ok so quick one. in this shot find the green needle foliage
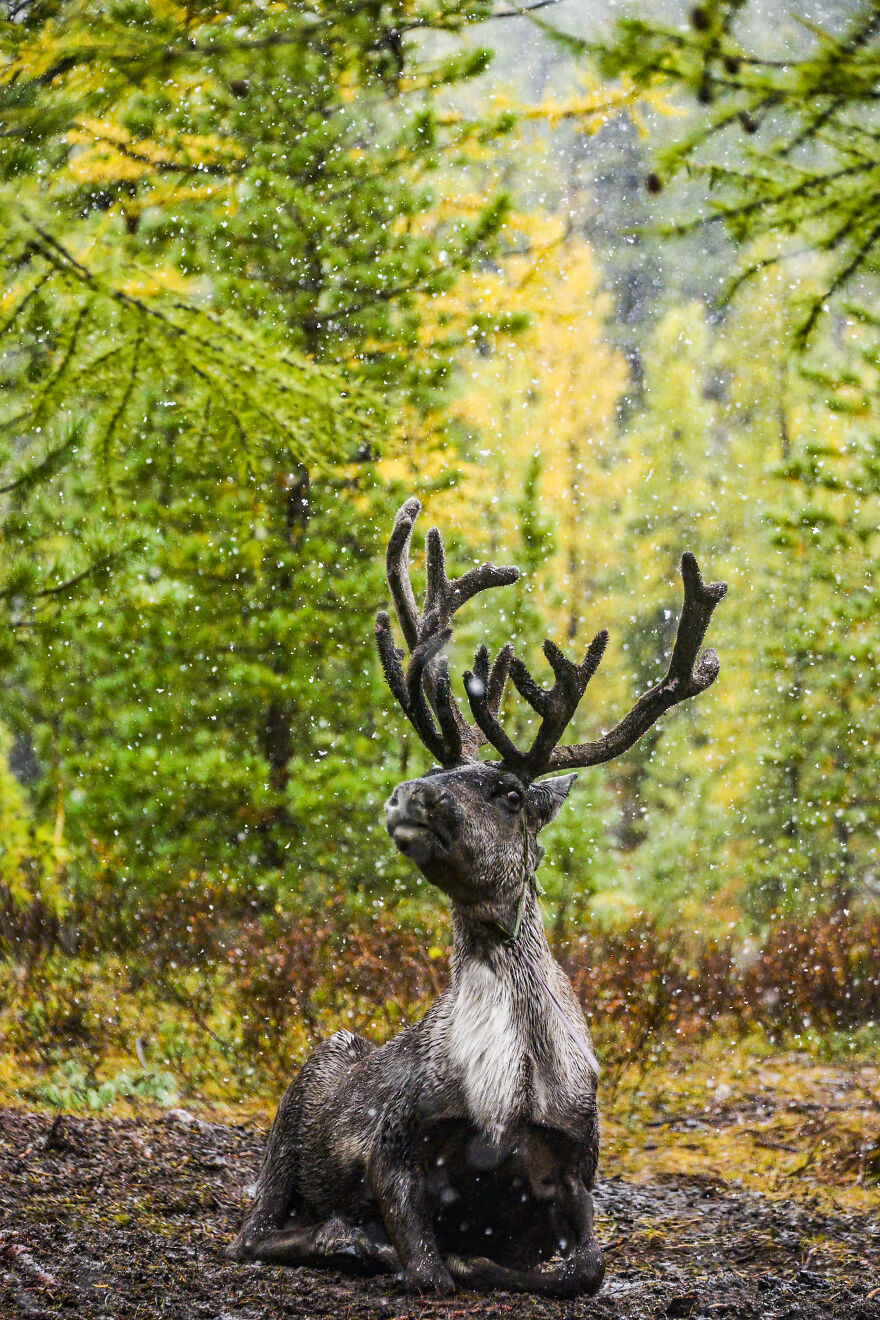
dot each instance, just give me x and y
(816, 821)
(787, 140)
(221, 233)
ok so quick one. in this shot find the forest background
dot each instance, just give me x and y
(598, 294)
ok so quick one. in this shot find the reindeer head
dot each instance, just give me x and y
(469, 825)
(469, 828)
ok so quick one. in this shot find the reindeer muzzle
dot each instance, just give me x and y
(420, 819)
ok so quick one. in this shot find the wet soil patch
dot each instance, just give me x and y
(106, 1218)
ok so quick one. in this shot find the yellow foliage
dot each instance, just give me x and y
(32, 854)
(588, 108)
(106, 152)
(552, 393)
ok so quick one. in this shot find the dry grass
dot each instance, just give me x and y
(753, 1066)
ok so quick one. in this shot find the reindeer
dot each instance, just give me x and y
(463, 1151)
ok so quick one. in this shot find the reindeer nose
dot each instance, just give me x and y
(419, 795)
(422, 818)
(414, 798)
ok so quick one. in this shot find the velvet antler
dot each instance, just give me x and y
(424, 691)
(426, 696)
(685, 677)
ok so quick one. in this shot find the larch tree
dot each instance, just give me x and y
(783, 143)
(812, 830)
(221, 232)
(783, 137)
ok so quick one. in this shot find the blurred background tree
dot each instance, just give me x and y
(782, 145)
(198, 222)
(267, 271)
(786, 135)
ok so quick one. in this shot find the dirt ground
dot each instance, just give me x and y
(117, 1217)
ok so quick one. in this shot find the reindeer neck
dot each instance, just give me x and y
(479, 943)
(483, 934)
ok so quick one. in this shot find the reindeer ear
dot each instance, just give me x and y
(545, 799)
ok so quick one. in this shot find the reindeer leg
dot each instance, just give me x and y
(335, 1245)
(481, 1275)
(400, 1190)
(581, 1272)
(270, 1231)
(275, 1199)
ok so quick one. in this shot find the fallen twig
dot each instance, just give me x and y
(22, 1259)
(25, 1304)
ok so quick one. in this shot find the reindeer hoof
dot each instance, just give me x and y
(240, 1249)
(429, 1279)
(582, 1278)
(593, 1271)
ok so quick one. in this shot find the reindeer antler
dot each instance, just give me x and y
(556, 705)
(685, 677)
(424, 690)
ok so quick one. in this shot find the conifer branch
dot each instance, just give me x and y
(823, 97)
(218, 351)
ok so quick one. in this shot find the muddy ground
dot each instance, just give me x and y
(128, 1218)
